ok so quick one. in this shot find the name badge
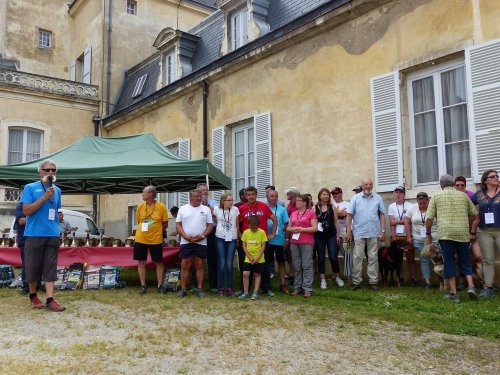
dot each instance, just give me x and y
(423, 232)
(144, 227)
(295, 236)
(400, 229)
(52, 214)
(489, 218)
(320, 227)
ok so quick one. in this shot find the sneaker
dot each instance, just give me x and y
(200, 293)
(471, 292)
(323, 284)
(270, 293)
(487, 292)
(244, 295)
(355, 287)
(229, 292)
(284, 289)
(452, 297)
(238, 293)
(54, 306)
(36, 303)
(214, 290)
(428, 286)
(255, 296)
(143, 289)
(374, 287)
(271, 275)
(182, 293)
(460, 287)
(339, 282)
(221, 292)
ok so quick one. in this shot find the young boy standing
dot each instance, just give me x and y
(254, 243)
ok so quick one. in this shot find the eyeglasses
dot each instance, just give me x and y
(493, 176)
(49, 170)
(459, 185)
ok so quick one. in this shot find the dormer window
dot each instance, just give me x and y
(139, 86)
(239, 28)
(169, 67)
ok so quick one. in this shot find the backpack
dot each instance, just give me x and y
(172, 280)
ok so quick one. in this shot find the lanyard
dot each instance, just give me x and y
(423, 217)
(51, 200)
(400, 214)
(146, 209)
(300, 218)
(228, 215)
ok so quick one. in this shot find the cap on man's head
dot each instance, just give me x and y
(358, 189)
(423, 195)
(293, 189)
(336, 190)
(400, 188)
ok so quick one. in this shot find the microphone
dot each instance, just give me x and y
(50, 178)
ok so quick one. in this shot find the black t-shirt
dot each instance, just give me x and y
(327, 219)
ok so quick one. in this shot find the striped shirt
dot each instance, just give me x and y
(452, 208)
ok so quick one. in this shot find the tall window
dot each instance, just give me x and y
(239, 28)
(169, 67)
(243, 158)
(24, 145)
(132, 7)
(438, 120)
(44, 38)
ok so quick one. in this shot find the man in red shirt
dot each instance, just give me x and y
(262, 210)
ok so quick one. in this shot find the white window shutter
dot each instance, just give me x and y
(386, 121)
(483, 101)
(218, 157)
(87, 65)
(72, 74)
(184, 153)
(263, 153)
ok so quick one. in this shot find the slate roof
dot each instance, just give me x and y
(282, 16)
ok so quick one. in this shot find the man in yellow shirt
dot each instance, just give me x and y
(152, 221)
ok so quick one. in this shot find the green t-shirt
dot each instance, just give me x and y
(254, 241)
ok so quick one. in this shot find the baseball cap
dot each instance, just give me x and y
(358, 189)
(400, 188)
(422, 194)
(336, 189)
(293, 189)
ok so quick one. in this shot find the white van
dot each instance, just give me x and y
(76, 220)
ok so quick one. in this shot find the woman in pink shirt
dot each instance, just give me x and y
(303, 224)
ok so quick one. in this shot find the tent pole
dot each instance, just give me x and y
(206, 179)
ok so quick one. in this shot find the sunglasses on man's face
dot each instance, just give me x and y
(49, 169)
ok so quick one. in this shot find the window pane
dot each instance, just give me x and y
(33, 145)
(250, 139)
(15, 146)
(458, 159)
(239, 144)
(239, 184)
(239, 167)
(251, 163)
(427, 165)
(455, 123)
(425, 129)
(251, 181)
(453, 87)
(423, 95)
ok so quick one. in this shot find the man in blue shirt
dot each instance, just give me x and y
(41, 201)
(366, 214)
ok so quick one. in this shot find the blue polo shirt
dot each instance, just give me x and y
(366, 215)
(38, 223)
(282, 216)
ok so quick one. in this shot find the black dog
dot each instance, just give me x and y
(390, 260)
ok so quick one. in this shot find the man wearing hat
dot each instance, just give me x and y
(358, 189)
(397, 213)
(341, 207)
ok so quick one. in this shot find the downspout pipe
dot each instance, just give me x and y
(205, 119)
(97, 125)
(108, 71)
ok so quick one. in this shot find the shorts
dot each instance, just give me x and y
(275, 250)
(141, 252)
(255, 268)
(188, 250)
(40, 255)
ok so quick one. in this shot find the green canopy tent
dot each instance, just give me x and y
(119, 166)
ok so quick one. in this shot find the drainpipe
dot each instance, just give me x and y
(97, 125)
(205, 119)
(108, 72)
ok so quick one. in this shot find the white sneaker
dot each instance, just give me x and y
(323, 284)
(339, 282)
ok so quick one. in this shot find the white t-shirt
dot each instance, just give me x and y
(418, 224)
(194, 221)
(399, 212)
(226, 223)
(339, 207)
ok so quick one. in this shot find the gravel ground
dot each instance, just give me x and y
(210, 336)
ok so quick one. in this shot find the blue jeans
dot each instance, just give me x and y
(424, 262)
(333, 253)
(449, 248)
(225, 256)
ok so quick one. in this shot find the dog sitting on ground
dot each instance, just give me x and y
(390, 260)
(432, 251)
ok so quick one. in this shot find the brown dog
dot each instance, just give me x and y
(432, 251)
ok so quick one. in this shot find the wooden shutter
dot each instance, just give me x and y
(218, 157)
(72, 74)
(263, 153)
(184, 153)
(483, 101)
(386, 122)
(87, 65)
